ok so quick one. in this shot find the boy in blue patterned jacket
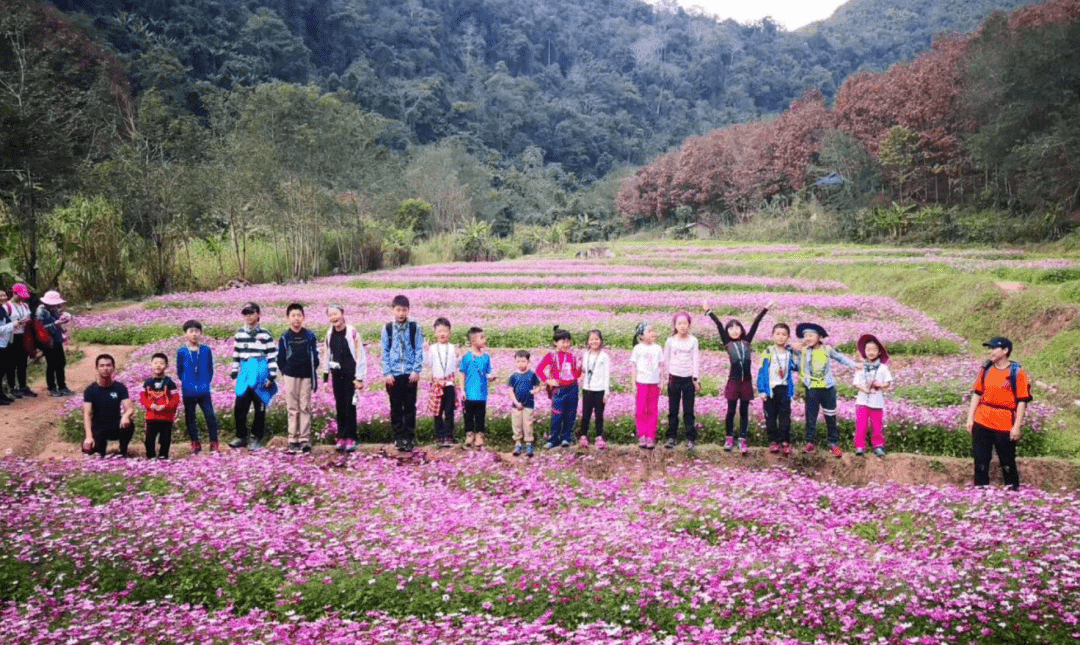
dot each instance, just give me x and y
(402, 361)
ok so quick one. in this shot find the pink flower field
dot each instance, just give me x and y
(565, 549)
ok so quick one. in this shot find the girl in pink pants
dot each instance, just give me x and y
(871, 382)
(645, 376)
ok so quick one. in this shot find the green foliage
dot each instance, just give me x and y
(931, 394)
(415, 215)
(101, 488)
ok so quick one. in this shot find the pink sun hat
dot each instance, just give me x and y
(52, 298)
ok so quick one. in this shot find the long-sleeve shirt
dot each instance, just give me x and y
(559, 365)
(254, 343)
(738, 349)
(160, 391)
(682, 356)
(596, 372)
(353, 345)
(195, 369)
(402, 349)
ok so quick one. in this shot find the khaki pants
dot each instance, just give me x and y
(298, 403)
(522, 423)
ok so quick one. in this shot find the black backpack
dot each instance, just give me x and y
(412, 333)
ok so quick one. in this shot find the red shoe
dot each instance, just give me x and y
(836, 452)
(809, 448)
(774, 447)
(215, 449)
(196, 447)
(786, 450)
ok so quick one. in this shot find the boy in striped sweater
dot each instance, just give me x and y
(255, 368)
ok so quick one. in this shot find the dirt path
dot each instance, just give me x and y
(30, 427)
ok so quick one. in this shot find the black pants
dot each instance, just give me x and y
(344, 391)
(240, 412)
(55, 362)
(592, 402)
(193, 403)
(681, 389)
(983, 443)
(101, 439)
(744, 420)
(823, 399)
(403, 408)
(162, 431)
(16, 367)
(4, 353)
(778, 415)
(474, 414)
(444, 419)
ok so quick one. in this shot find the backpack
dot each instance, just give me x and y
(1014, 367)
(36, 336)
(412, 333)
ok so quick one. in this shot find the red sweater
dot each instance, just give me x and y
(160, 392)
(560, 365)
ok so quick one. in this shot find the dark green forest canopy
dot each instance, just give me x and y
(592, 83)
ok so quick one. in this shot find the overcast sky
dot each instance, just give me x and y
(792, 14)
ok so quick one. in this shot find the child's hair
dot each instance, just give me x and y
(599, 334)
(675, 320)
(162, 357)
(192, 324)
(441, 322)
(783, 326)
(104, 357)
(560, 334)
(474, 331)
(640, 331)
(296, 306)
(522, 353)
(735, 323)
(400, 301)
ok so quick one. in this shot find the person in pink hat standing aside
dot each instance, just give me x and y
(19, 312)
(53, 317)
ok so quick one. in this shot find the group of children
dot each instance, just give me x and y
(258, 362)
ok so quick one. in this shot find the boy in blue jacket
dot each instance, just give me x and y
(776, 387)
(402, 361)
(195, 369)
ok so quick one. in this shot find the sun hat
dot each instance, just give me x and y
(802, 328)
(52, 298)
(870, 338)
(21, 290)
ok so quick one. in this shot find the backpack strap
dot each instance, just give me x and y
(412, 333)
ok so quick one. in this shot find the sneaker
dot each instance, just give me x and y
(5, 401)
(196, 447)
(743, 448)
(237, 443)
(517, 449)
(215, 449)
(17, 393)
(55, 393)
(565, 444)
(809, 448)
(729, 443)
(651, 443)
(859, 452)
(294, 447)
(66, 392)
(642, 442)
(690, 445)
(879, 451)
(836, 452)
(406, 446)
(256, 444)
(600, 443)
(305, 447)
(583, 441)
(350, 445)
(548, 446)
(28, 392)
(785, 449)
(671, 443)
(529, 450)
(774, 447)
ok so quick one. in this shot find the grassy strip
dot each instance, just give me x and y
(562, 284)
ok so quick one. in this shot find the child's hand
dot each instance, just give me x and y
(697, 387)
(771, 303)
(413, 378)
(606, 398)
(553, 382)
(491, 377)
(704, 304)
(389, 380)
(763, 396)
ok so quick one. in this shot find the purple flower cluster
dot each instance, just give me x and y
(565, 550)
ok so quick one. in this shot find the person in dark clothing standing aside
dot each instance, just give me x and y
(107, 410)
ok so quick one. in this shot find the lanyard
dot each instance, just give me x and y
(781, 366)
(589, 368)
(444, 359)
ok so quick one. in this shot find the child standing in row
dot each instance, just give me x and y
(402, 361)
(820, 383)
(442, 361)
(776, 385)
(646, 358)
(523, 384)
(195, 369)
(255, 368)
(160, 398)
(871, 382)
(682, 357)
(560, 371)
(475, 374)
(740, 385)
(346, 364)
(595, 387)
(299, 351)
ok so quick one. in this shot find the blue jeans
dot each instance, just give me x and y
(564, 403)
(206, 403)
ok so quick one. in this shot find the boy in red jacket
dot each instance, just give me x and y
(160, 398)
